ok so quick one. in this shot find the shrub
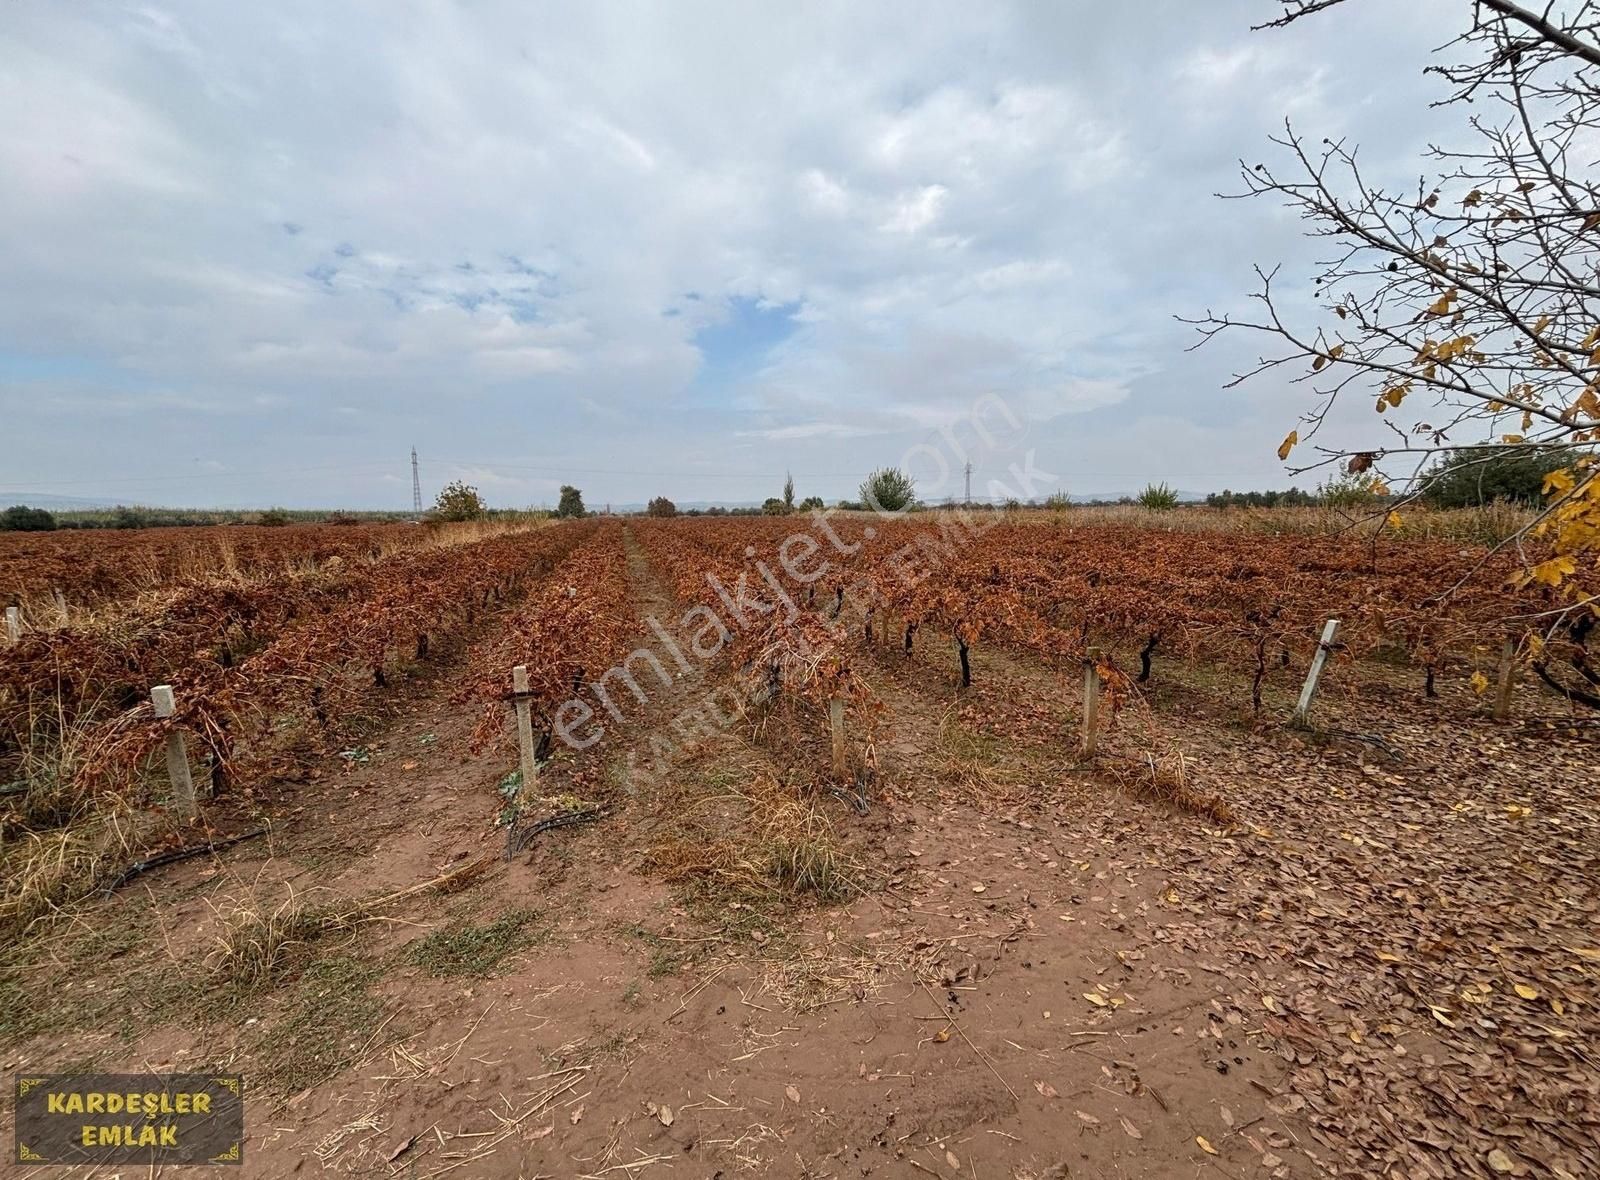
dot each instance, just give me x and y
(889, 490)
(459, 501)
(1059, 501)
(341, 518)
(775, 507)
(1357, 489)
(811, 502)
(22, 519)
(273, 518)
(1158, 496)
(661, 506)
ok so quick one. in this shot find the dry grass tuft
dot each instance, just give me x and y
(1166, 779)
(727, 821)
(802, 853)
(254, 945)
(43, 873)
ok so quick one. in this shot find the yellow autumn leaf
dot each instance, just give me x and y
(1288, 444)
(1552, 572)
(1441, 306)
(1387, 957)
(1270, 1004)
(1095, 998)
(1591, 953)
(1205, 1145)
(1527, 992)
(1559, 480)
(1394, 519)
(1441, 1016)
(1480, 683)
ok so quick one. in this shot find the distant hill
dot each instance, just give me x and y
(56, 503)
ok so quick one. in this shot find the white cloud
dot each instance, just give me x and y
(485, 229)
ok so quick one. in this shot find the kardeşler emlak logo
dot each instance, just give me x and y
(149, 1119)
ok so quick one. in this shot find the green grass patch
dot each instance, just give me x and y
(327, 1025)
(464, 948)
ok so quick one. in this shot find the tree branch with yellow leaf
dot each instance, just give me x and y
(1468, 307)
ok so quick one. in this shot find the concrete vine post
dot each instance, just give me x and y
(1308, 692)
(1506, 680)
(836, 726)
(1091, 701)
(177, 753)
(13, 625)
(524, 707)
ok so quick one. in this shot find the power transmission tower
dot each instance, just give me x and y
(416, 485)
(969, 483)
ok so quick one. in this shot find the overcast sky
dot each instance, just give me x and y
(251, 253)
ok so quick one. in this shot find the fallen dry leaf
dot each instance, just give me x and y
(665, 1115)
(1087, 1117)
(1205, 1145)
(1500, 1162)
(953, 1160)
(576, 1116)
(1527, 992)
(1046, 1089)
(792, 1094)
(1133, 1131)
(1095, 998)
(942, 1035)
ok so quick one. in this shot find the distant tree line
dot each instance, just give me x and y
(1293, 498)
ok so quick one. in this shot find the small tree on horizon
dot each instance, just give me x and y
(788, 492)
(571, 503)
(1158, 496)
(1351, 489)
(459, 501)
(889, 489)
(661, 506)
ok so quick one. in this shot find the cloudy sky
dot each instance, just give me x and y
(252, 253)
